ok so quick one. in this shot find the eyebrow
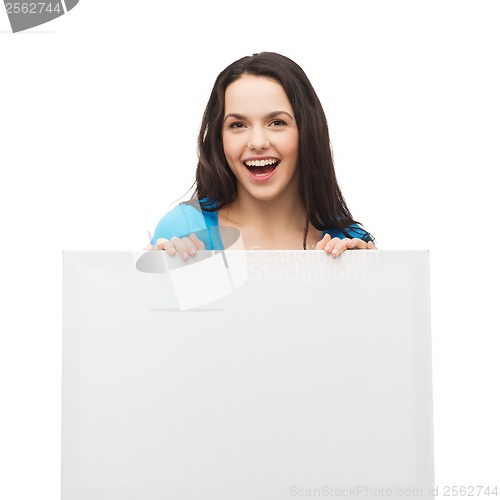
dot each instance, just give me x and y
(273, 114)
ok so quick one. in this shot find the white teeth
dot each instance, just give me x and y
(261, 163)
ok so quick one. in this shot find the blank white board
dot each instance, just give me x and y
(246, 375)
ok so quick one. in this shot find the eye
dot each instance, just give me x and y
(278, 123)
(236, 125)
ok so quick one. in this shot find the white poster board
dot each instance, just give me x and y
(284, 374)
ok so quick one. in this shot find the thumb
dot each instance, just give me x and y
(323, 241)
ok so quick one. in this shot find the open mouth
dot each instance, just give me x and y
(261, 168)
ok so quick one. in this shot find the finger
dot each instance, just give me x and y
(339, 246)
(331, 244)
(160, 243)
(323, 241)
(371, 245)
(190, 244)
(197, 242)
(181, 247)
(164, 244)
(356, 243)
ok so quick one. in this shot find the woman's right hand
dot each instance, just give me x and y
(183, 246)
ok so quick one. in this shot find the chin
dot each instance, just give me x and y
(270, 196)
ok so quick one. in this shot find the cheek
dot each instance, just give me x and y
(233, 148)
(290, 145)
(230, 153)
(228, 146)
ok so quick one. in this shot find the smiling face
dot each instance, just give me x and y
(260, 137)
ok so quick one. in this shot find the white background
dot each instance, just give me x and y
(99, 113)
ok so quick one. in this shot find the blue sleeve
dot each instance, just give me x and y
(354, 231)
(357, 232)
(173, 223)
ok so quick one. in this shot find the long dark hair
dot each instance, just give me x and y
(319, 190)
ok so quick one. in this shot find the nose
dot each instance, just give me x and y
(258, 139)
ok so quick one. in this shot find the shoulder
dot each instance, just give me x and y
(180, 221)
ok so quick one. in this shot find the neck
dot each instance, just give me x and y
(284, 214)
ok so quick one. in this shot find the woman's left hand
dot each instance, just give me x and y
(336, 246)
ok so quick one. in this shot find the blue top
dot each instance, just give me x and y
(185, 219)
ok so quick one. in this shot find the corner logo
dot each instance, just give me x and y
(206, 277)
(26, 15)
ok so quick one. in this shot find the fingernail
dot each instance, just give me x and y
(192, 251)
(328, 248)
(185, 255)
(335, 252)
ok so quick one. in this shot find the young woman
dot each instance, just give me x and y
(265, 168)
